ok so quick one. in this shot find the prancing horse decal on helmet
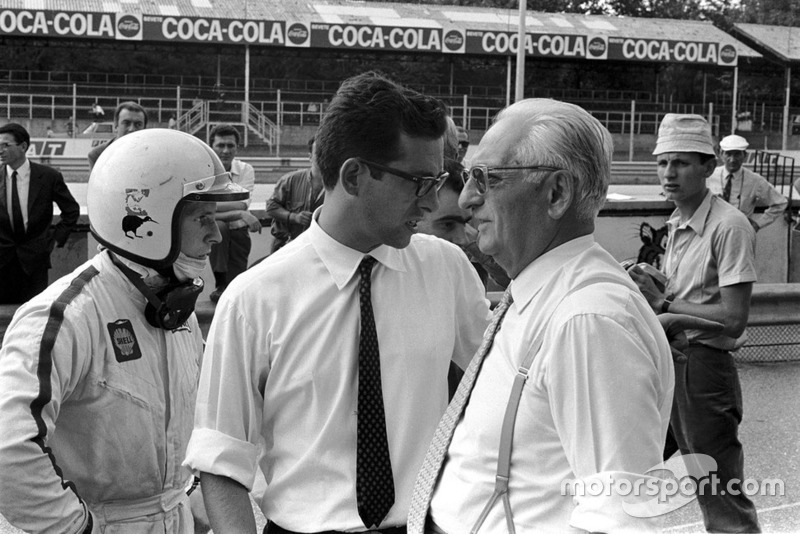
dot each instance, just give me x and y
(137, 215)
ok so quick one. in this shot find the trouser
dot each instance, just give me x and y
(706, 413)
(169, 512)
(272, 528)
(231, 253)
(17, 286)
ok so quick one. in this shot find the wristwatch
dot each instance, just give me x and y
(667, 303)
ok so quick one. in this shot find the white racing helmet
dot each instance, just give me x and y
(139, 186)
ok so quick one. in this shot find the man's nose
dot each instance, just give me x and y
(469, 197)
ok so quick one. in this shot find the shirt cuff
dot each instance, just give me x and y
(211, 451)
(604, 504)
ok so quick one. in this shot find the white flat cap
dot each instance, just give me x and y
(734, 142)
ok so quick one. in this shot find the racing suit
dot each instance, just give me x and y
(96, 408)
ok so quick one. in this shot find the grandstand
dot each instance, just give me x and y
(271, 69)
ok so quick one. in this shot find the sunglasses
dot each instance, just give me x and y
(480, 174)
(424, 183)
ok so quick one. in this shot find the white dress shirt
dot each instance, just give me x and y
(23, 185)
(281, 365)
(597, 400)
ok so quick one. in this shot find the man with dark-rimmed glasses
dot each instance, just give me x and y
(331, 356)
(573, 339)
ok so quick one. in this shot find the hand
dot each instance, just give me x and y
(648, 287)
(674, 325)
(60, 237)
(304, 218)
(253, 224)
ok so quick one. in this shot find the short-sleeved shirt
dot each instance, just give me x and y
(282, 365)
(293, 192)
(714, 248)
(243, 174)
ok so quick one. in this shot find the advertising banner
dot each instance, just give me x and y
(366, 37)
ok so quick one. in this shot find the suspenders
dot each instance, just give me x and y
(506, 437)
(510, 417)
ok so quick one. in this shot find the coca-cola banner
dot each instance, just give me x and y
(367, 37)
(600, 47)
(211, 30)
(448, 40)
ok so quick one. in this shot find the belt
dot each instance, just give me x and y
(124, 510)
(272, 528)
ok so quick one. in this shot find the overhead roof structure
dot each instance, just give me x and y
(780, 43)
(777, 43)
(356, 25)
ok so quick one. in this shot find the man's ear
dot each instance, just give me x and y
(560, 192)
(709, 166)
(351, 173)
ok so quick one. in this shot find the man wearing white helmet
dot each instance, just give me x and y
(99, 372)
(743, 188)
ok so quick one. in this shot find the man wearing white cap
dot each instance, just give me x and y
(710, 268)
(743, 188)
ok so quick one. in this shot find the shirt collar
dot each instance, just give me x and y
(236, 167)
(23, 172)
(540, 271)
(697, 222)
(342, 261)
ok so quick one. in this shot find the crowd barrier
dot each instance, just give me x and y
(268, 169)
(773, 324)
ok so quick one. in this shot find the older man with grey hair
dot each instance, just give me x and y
(572, 386)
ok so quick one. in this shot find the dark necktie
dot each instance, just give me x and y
(16, 210)
(429, 473)
(374, 481)
(726, 191)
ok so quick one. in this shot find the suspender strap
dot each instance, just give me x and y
(509, 420)
(506, 438)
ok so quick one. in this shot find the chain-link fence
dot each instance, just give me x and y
(778, 343)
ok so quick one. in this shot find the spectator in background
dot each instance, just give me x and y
(743, 188)
(463, 144)
(71, 125)
(49, 133)
(597, 400)
(451, 222)
(172, 123)
(336, 349)
(229, 256)
(294, 199)
(710, 268)
(99, 372)
(27, 193)
(97, 112)
(129, 117)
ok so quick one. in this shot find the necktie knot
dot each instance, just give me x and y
(365, 267)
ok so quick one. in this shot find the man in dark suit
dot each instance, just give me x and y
(27, 193)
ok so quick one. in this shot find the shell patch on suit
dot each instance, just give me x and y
(123, 339)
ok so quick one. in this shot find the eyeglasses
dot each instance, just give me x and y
(4, 146)
(480, 174)
(424, 183)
